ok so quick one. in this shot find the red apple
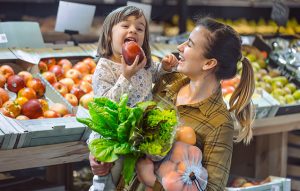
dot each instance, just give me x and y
(4, 95)
(22, 117)
(50, 77)
(37, 85)
(28, 93)
(15, 83)
(72, 99)
(93, 70)
(57, 70)
(68, 82)
(77, 92)
(61, 88)
(84, 100)
(50, 62)
(13, 108)
(130, 50)
(59, 108)
(7, 71)
(43, 67)
(75, 75)
(51, 114)
(2, 80)
(88, 78)
(65, 64)
(25, 75)
(90, 62)
(32, 109)
(82, 67)
(86, 86)
(5, 112)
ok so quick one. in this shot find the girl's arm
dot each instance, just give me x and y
(165, 66)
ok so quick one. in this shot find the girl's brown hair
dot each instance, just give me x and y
(116, 16)
(224, 44)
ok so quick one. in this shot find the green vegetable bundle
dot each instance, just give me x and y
(148, 128)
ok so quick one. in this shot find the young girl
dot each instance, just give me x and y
(113, 77)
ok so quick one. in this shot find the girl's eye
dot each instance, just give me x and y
(125, 26)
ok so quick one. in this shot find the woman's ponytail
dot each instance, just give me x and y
(240, 102)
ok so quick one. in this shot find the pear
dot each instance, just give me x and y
(296, 94)
(289, 99)
(291, 86)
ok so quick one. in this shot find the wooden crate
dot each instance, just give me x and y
(293, 167)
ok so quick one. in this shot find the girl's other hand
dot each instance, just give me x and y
(168, 62)
(99, 168)
(129, 71)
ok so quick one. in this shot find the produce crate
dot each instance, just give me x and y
(276, 184)
(8, 133)
(265, 105)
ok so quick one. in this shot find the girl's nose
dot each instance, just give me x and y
(132, 29)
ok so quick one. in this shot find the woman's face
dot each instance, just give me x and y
(131, 29)
(191, 52)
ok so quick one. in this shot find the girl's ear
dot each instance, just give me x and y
(210, 64)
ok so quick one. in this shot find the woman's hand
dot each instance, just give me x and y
(129, 70)
(168, 62)
(145, 172)
(99, 168)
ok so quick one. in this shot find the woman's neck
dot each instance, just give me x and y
(198, 89)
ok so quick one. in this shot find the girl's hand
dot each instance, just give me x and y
(145, 172)
(129, 71)
(99, 168)
(168, 62)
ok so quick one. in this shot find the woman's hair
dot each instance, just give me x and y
(116, 16)
(224, 45)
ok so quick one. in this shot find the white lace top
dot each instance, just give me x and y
(109, 82)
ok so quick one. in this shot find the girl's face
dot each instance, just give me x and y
(130, 29)
(191, 53)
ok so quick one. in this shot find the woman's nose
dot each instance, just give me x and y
(180, 47)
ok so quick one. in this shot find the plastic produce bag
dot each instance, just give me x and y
(182, 170)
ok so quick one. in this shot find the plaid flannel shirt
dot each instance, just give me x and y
(213, 125)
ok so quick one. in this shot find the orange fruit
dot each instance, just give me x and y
(186, 134)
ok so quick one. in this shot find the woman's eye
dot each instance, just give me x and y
(140, 29)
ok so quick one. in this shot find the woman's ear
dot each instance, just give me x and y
(210, 64)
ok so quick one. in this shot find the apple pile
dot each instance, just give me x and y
(73, 82)
(30, 102)
(243, 182)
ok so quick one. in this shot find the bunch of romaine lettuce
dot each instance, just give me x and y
(132, 132)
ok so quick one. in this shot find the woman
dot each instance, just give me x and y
(211, 54)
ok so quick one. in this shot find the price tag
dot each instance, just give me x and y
(3, 38)
(280, 12)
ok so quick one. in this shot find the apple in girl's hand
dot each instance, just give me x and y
(15, 83)
(130, 50)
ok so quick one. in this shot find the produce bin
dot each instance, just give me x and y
(276, 184)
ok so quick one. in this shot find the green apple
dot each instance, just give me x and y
(296, 94)
(291, 86)
(289, 99)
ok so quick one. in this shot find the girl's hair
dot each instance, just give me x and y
(116, 16)
(224, 44)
